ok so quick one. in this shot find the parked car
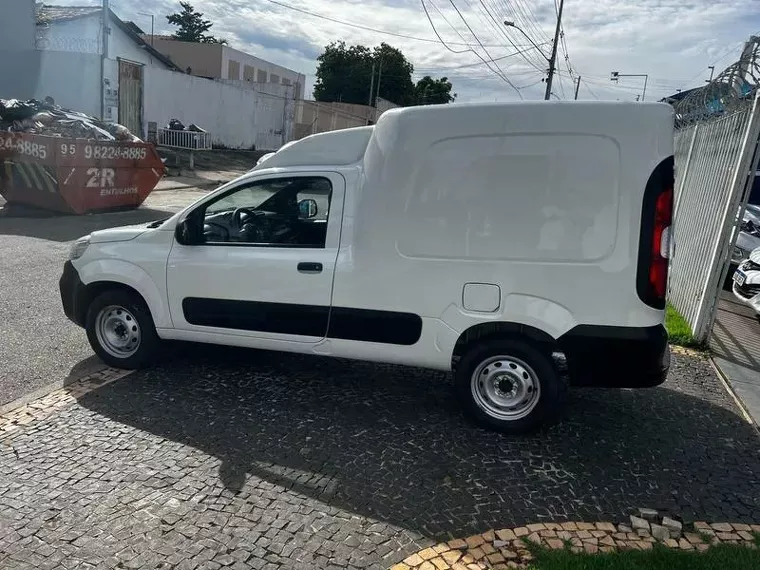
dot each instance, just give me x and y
(479, 239)
(746, 281)
(749, 235)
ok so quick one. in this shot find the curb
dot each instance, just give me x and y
(509, 548)
(729, 389)
(40, 404)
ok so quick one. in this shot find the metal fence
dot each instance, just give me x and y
(716, 138)
(191, 140)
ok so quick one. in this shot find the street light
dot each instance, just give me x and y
(551, 59)
(615, 75)
(151, 25)
(511, 24)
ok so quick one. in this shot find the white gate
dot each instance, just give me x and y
(718, 128)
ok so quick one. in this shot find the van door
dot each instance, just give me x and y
(264, 259)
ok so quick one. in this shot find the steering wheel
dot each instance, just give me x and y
(237, 215)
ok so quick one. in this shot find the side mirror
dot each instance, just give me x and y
(187, 232)
(307, 209)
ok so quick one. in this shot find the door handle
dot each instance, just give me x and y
(309, 267)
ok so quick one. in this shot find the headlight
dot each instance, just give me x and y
(79, 247)
(739, 254)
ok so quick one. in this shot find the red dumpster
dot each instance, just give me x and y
(76, 175)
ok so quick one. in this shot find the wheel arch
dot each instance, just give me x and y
(502, 329)
(118, 274)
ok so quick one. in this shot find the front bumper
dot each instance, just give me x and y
(72, 294)
(749, 292)
(616, 357)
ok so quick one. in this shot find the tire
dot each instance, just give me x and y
(121, 331)
(510, 385)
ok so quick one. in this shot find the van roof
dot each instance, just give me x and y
(341, 147)
(348, 146)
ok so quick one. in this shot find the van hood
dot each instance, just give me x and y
(124, 233)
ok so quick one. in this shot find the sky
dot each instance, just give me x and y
(673, 41)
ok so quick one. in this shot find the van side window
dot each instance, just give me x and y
(281, 212)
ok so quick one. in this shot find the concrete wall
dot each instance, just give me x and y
(235, 116)
(72, 79)
(19, 60)
(315, 117)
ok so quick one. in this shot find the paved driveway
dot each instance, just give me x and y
(262, 460)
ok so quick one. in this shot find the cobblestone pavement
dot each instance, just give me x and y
(261, 460)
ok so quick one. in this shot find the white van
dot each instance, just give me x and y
(480, 239)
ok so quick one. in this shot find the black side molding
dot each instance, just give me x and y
(387, 327)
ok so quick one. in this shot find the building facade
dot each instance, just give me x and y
(219, 61)
(96, 63)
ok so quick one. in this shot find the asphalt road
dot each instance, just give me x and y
(38, 345)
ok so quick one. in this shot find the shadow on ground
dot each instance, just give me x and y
(46, 225)
(390, 442)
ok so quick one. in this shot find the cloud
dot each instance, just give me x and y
(673, 41)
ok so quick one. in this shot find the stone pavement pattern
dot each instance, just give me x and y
(510, 547)
(243, 459)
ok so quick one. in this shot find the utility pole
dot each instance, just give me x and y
(553, 57)
(712, 70)
(152, 27)
(371, 90)
(371, 85)
(379, 77)
(104, 19)
(577, 87)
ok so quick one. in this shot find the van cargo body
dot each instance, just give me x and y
(473, 238)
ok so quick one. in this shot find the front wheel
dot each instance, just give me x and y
(121, 331)
(510, 386)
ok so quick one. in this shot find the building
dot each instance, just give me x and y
(71, 69)
(94, 62)
(218, 61)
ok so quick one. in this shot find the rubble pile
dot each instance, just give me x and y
(46, 118)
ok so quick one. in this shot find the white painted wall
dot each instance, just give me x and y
(235, 116)
(72, 79)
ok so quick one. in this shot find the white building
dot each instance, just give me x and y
(63, 52)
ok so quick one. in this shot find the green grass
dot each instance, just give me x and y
(679, 331)
(721, 557)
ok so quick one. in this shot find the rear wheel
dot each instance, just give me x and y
(510, 385)
(121, 331)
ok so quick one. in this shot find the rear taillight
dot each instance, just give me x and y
(656, 235)
(658, 263)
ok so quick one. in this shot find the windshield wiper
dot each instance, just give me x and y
(156, 223)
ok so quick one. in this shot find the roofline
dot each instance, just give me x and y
(123, 27)
(142, 43)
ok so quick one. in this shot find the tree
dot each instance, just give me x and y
(192, 26)
(344, 73)
(429, 91)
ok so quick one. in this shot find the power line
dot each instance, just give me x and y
(501, 75)
(367, 28)
(484, 49)
(589, 90)
(531, 61)
(435, 69)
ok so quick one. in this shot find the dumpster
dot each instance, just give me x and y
(76, 175)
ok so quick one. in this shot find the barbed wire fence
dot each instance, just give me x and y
(717, 129)
(730, 91)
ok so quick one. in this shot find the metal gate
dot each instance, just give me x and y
(717, 133)
(130, 96)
